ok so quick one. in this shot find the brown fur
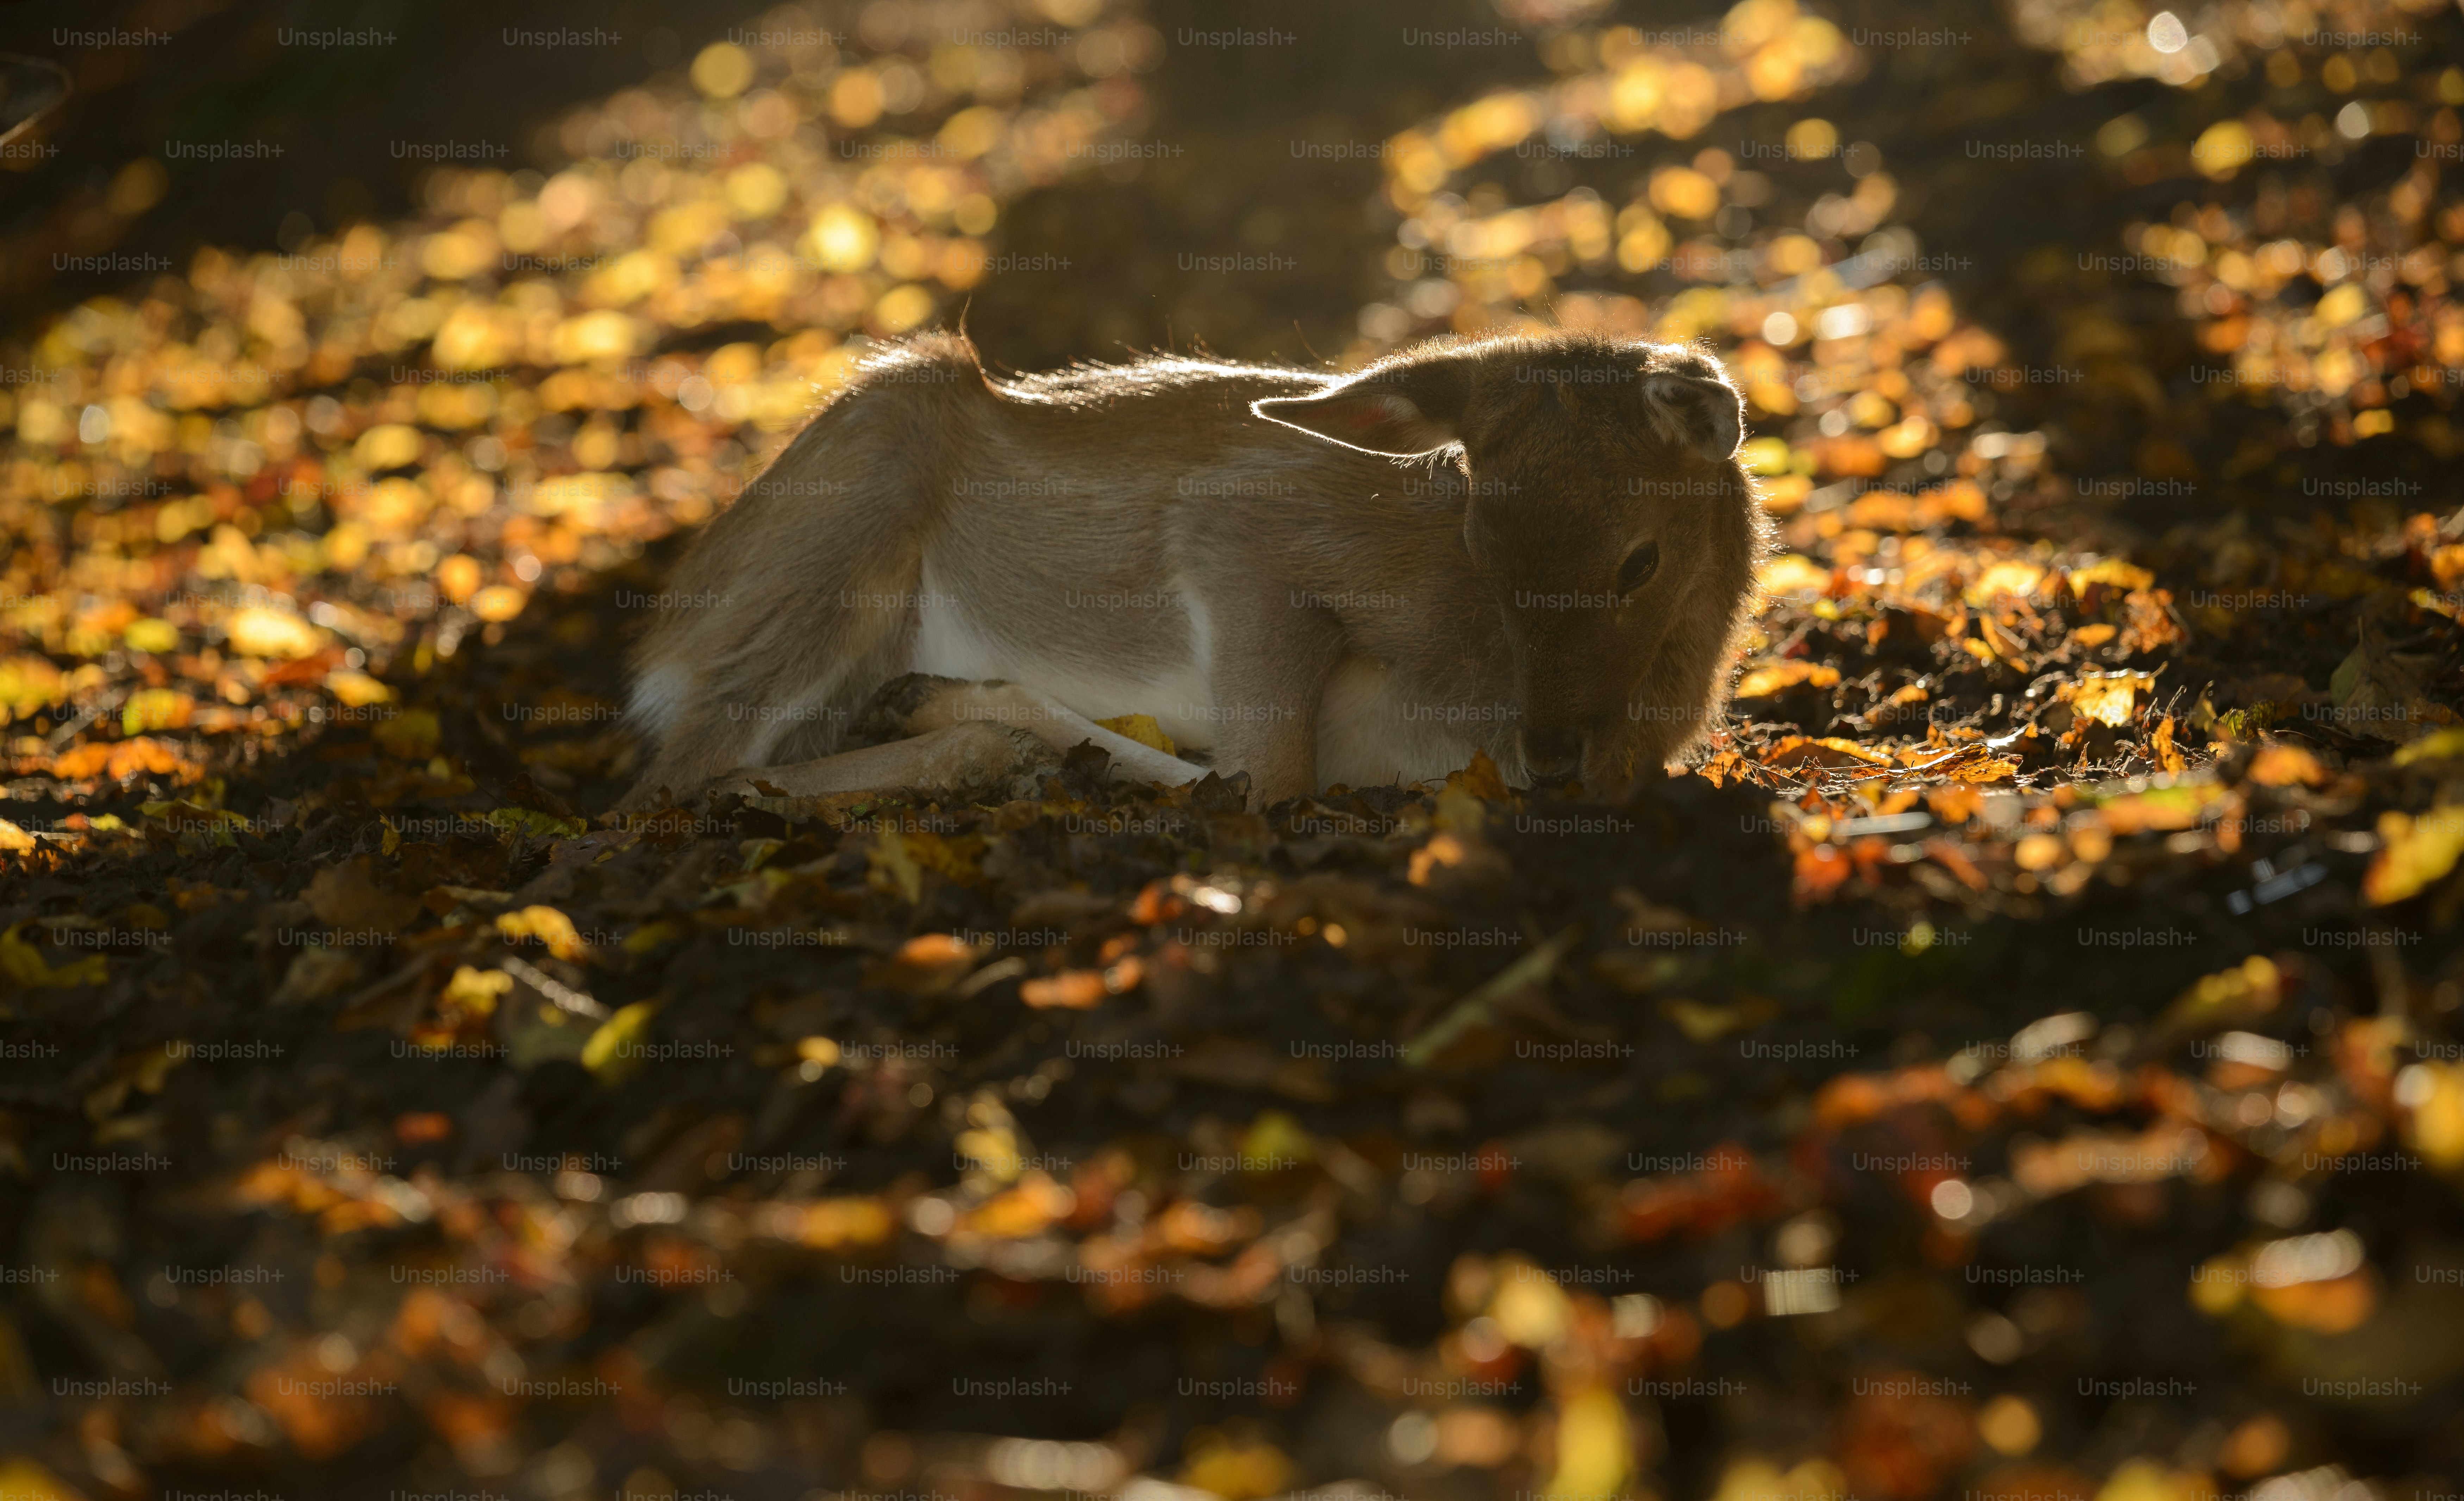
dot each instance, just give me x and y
(1317, 569)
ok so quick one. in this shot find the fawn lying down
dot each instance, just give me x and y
(1541, 547)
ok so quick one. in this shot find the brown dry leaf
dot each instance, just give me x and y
(1481, 778)
(345, 895)
(1981, 765)
(1954, 805)
(2148, 622)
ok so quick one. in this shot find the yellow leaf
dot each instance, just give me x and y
(2145, 1480)
(151, 709)
(156, 636)
(2124, 576)
(476, 991)
(23, 962)
(1275, 1136)
(1792, 574)
(614, 1050)
(2008, 577)
(14, 840)
(1237, 1469)
(2439, 746)
(1143, 729)
(2435, 1093)
(357, 689)
(2221, 150)
(261, 631)
(29, 682)
(1761, 682)
(2415, 852)
(1756, 1479)
(390, 445)
(498, 601)
(23, 1480)
(1766, 457)
(549, 926)
(2108, 697)
(2229, 998)
(1595, 1445)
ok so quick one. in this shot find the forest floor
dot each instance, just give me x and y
(2023, 1059)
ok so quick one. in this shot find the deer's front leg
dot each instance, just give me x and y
(1271, 655)
(919, 705)
(954, 759)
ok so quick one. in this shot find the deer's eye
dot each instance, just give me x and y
(1637, 568)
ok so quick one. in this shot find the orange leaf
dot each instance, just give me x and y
(1072, 989)
(1480, 778)
(2278, 764)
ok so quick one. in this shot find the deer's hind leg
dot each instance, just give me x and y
(782, 623)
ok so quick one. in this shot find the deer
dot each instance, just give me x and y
(1537, 546)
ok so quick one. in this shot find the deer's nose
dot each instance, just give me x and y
(1551, 755)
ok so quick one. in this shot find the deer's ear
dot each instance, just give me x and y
(1702, 416)
(1399, 412)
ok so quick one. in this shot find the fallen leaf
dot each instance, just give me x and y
(2414, 853)
(548, 926)
(2160, 748)
(1480, 778)
(23, 962)
(614, 1050)
(925, 965)
(346, 895)
(1071, 991)
(264, 631)
(1761, 682)
(1143, 729)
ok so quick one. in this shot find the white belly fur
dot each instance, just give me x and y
(948, 645)
(1363, 738)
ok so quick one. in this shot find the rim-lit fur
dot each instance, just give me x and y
(1316, 578)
